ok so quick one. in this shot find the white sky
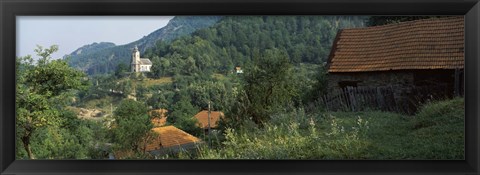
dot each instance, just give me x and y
(72, 32)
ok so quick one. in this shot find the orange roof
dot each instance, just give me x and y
(170, 136)
(436, 43)
(202, 118)
(157, 122)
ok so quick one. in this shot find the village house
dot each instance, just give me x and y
(404, 56)
(170, 139)
(238, 70)
(204, 122)
(140, 64)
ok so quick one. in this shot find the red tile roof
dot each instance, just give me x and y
(436, 43)
(202, 118)
(168, 136)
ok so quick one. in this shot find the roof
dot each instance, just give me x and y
(169, 136)
(202, 118)
(145, 61)
(435, 43)
(159, 121)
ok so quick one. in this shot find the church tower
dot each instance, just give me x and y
(135, 60)
(140, 64)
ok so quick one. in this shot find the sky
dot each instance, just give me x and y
(72, 32)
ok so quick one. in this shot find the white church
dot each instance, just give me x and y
(140, 64)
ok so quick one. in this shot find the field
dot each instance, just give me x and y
(436, 132)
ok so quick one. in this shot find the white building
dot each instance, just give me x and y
(140, 64)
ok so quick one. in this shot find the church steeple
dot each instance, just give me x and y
(139, 64)
(135, 59)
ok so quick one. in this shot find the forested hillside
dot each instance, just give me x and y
(233, 40)
(99, 59)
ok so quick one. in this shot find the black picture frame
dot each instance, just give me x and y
(11, 8)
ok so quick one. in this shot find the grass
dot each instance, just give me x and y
(435, 132)
(148, 82)
(219, 77)
(102, 103)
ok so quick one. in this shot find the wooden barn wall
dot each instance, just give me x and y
(371, 78)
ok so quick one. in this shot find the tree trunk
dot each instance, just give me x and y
(26, 145)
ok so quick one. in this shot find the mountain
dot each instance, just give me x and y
(90, 48)
(104, 57)
(238, 40)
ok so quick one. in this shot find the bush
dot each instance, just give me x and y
(436, 132)
(439, 130)
(287, 140)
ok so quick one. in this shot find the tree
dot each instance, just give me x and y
(182, 113)
(43, 89)
(132, 125)
(267, 84)
(382, 20)
(156, 71)
(122, 68)
(72, 139)
(319, 86)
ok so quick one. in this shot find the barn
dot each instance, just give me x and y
(412, 59)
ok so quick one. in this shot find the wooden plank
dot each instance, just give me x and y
(352, 99)
(457, 83)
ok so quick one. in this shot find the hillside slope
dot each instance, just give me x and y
(104, 57)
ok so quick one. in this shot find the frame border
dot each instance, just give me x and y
(9, 9)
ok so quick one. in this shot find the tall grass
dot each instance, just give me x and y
(435, 132)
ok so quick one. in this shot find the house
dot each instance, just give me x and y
(203, 119)
(405, 56)
(238, 70)
(164, 140)
(140, 64)
(159, 120)
(170, 139)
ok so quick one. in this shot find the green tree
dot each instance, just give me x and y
(122, 68)
(382, 20)
(131, 127)
(267, 84)
(72, 139)
(43, 89)
(157, 70)
(318, 86)
(182, 113)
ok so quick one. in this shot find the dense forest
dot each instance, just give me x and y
(271, 109)
(233, 41)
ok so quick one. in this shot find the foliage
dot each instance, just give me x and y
(436, 132)
(288, 141)
(102, 58)
(131, 126)
(306, 39)
(73, 139)
(382, 20)
(439, 129)
(43, 89)
(181, 114)
(268, 84)
(121, 70)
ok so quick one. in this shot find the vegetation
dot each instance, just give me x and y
(271, 109)
(43, 89)
(131, 126)
(104, 58)
(382, 20)
(436, 132)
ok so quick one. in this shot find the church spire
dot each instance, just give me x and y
(135, 49)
